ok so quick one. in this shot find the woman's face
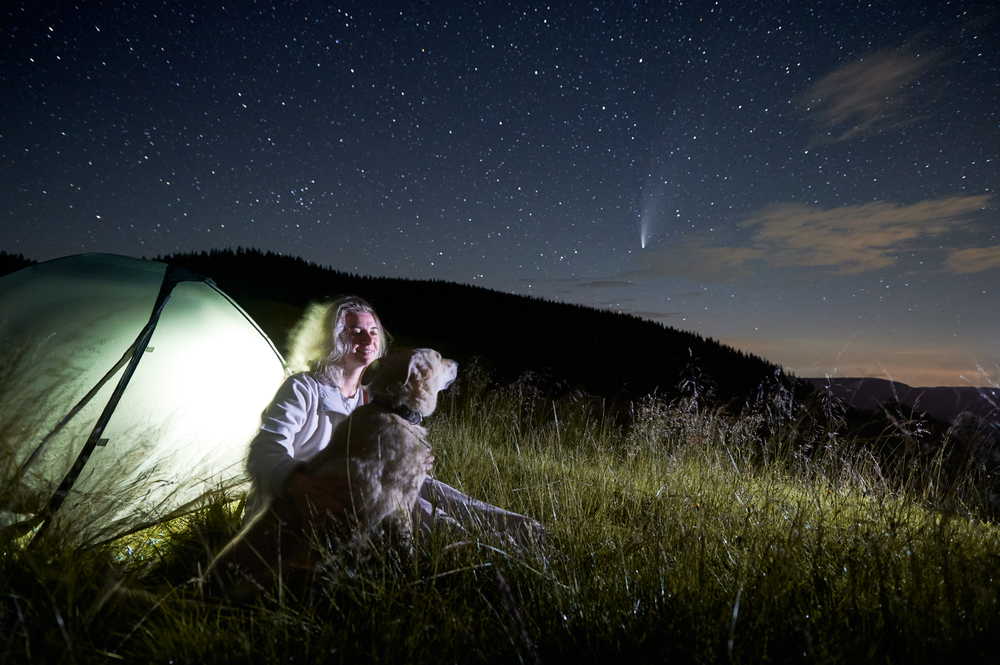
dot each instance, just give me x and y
(361, 336)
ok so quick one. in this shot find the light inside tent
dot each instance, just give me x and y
(184, 421)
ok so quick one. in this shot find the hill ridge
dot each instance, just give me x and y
(945, 403)
(567, 345)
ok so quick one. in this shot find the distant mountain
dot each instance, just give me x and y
(942, 403)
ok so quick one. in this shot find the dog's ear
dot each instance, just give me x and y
(385, 375)
(421, 365)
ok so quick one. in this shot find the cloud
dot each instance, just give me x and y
(577, 282)
(843, 240)
(603, 284)
(977, 259)
(878, 92)
(853, 239)
(927, 364)
(697, 259)
(654, 315)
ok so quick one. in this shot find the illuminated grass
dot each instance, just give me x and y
(672, 533)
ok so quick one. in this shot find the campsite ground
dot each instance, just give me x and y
(675, 532)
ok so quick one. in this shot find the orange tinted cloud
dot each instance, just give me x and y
(853, 239)
(880, 358)
(878, 92)
(977, 259)
(844, 240)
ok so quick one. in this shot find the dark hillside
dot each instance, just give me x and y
(568, 346)
(943, 403)
(12, 262)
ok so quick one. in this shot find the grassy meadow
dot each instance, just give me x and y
(674, 532)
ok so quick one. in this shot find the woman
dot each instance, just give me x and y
(334, 343)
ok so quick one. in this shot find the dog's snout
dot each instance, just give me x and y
(452, 373)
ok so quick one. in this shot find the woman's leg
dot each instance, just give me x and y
(469, 512)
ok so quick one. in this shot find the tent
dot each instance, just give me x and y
(129, 390)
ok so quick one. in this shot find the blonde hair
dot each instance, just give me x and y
(317, 342)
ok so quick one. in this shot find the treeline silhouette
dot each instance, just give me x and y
(564, 346)
(12, 262)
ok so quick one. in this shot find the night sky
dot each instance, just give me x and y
(813, 182)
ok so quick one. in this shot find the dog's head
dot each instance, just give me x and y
(411, 378)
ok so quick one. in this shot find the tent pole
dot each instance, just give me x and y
(170, 279)
(76, 409)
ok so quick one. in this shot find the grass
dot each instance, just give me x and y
(674, 533)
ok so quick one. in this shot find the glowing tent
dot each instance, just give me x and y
(129, 390)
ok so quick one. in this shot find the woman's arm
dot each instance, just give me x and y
(272, 456)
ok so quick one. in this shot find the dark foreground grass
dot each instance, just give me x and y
(670, 538)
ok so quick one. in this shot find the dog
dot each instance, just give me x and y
(382, 451)
(376, 462)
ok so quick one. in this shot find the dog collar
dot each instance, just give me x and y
(401, 411)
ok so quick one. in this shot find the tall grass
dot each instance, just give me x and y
(674, 532)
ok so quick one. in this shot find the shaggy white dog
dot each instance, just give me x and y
(382, 451)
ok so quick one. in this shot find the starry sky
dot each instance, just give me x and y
(812, 182)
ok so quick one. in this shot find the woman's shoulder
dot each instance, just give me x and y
(302, 382)
(312, 382)
(308, 392)
(310, 379)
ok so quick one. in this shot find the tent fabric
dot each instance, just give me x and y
(70, 331)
